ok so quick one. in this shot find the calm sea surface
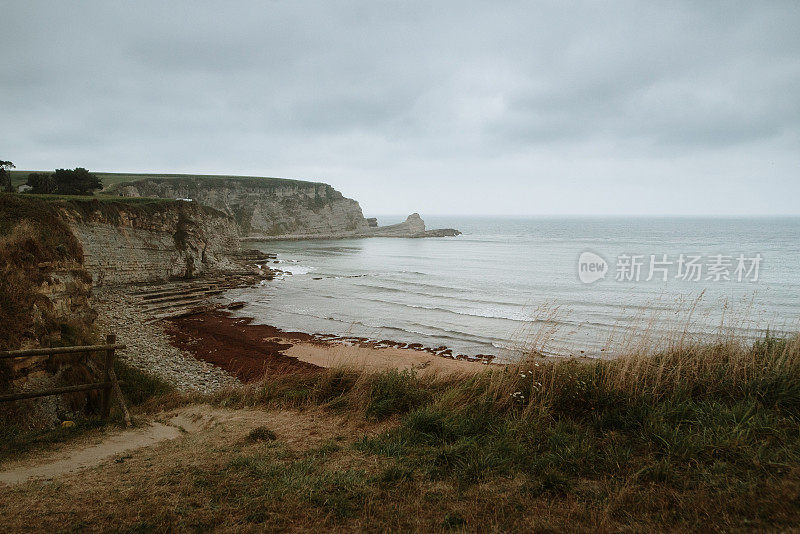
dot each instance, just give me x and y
(511, 285)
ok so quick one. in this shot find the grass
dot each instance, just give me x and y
(261, 433)
(100, 197)
(703, 437)
(19, 177)
(141, 388)
(700, 438)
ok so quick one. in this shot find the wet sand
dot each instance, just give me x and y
(371, 358)
(251, 351)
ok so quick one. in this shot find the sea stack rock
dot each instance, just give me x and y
(415, 224)
(412, 226)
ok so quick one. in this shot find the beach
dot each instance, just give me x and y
(252, 352)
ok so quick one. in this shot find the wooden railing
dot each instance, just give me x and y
(109, 385)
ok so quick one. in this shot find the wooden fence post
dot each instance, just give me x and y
(109, 386)
(111, 339)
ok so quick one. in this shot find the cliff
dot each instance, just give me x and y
(149, 241)
(261, 206)
(273, 208)
(52, 251)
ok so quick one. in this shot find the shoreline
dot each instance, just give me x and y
(438, 232)
(252, 351)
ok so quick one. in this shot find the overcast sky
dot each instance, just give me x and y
(440, 107)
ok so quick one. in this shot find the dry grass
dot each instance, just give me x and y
(697, 437)
(32, 239)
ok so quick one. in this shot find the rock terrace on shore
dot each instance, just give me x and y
(148, 348)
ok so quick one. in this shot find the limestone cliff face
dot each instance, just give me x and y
(262, 206)
(125, 244)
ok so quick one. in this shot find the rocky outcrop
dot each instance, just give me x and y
(440, 232)
(412, 226)
(125, 244)
(261, 206)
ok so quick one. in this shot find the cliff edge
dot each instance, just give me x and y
(261, 206)
(275, 208)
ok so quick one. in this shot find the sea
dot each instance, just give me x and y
(507, 287)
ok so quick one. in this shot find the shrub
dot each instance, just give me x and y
(261, 433)
(42, 183)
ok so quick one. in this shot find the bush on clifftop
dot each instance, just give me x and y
(77, 181)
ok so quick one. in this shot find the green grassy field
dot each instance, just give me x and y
(99, 197)
(19, 177)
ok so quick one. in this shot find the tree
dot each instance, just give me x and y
(76, 182)
(5, 176)
(42, 183)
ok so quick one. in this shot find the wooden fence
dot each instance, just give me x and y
(109, 385)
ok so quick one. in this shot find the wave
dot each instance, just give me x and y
(429, 286)
(426, 330)
(406, 291)
(520, 317)
(295, 269)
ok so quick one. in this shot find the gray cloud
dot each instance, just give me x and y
(417, 105)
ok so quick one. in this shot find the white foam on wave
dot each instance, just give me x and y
(296, 269)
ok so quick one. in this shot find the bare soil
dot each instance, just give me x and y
(82, 454)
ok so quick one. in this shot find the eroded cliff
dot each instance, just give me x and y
(261, 206)
(126, 243)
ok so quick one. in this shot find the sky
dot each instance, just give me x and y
(440, 107)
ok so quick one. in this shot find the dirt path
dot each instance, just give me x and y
(81, 455)
(113, 487)
(202, 423)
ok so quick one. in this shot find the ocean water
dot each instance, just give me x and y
(508, 286)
